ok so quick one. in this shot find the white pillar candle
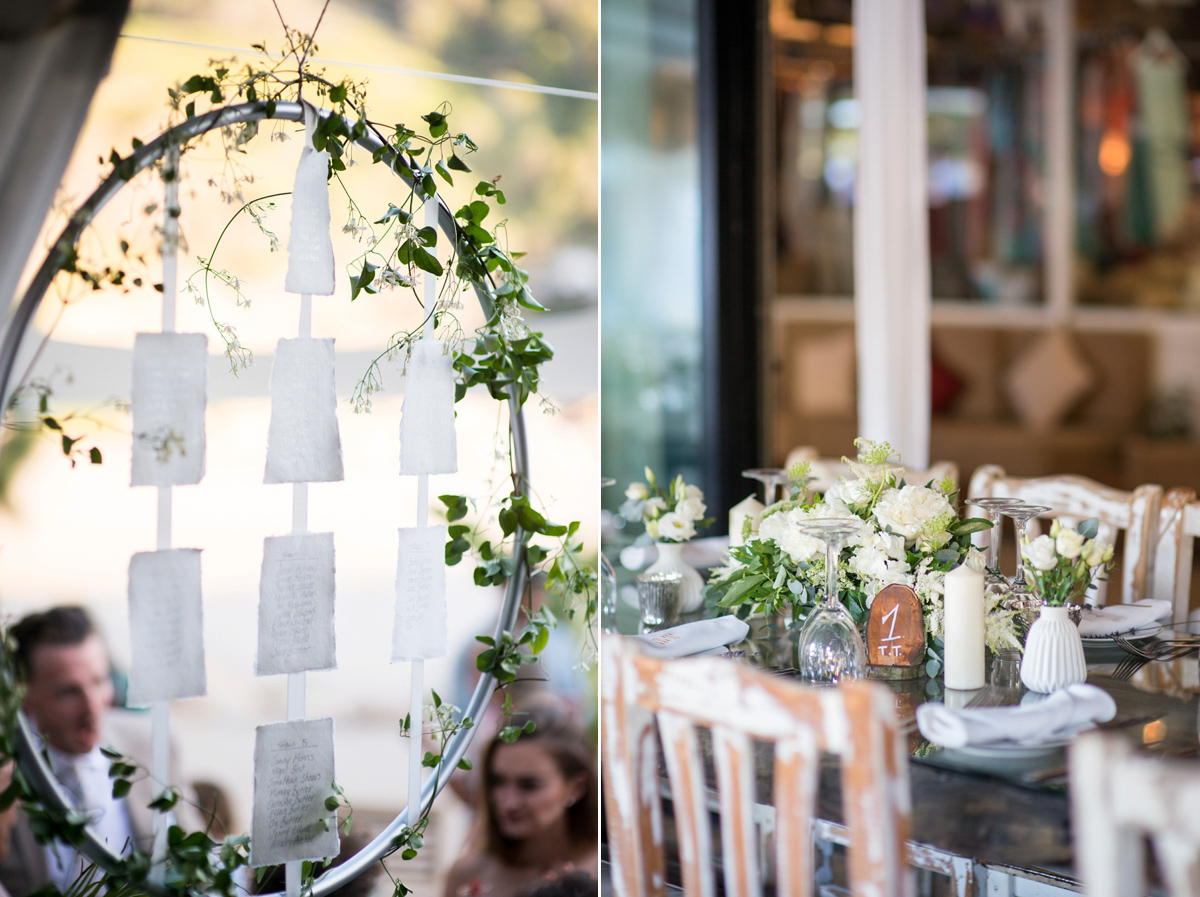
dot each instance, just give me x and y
(748, 508)
(964, 628)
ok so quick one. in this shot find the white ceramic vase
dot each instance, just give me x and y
(670, 558)
(1053, 652)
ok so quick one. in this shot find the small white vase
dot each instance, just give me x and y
(670, 558)
(1053, 652)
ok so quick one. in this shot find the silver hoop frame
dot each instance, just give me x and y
(29, 756)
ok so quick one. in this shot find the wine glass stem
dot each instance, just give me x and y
(993, 555)
(1019, 524)
(830, 574)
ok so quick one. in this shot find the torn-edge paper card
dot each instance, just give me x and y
(427, 441)
(167, 397)
(310, 248)
(420, 628)
(303, 443)
(166, 626)
(295, 604)
(293, 777)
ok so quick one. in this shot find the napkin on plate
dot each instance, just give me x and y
(1060, 715)
(699, 637)
(1117, 619)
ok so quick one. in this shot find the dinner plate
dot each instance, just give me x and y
(1141, 634)
(1007, 750)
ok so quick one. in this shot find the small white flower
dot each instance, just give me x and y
(975, 559)
(851, 492)
(1040, 552)
(673, 528)
(1094, 552)
(652, 529)
(653, 507)
(1069, 543)
(695, 492)
(637, 492)
(691, 509)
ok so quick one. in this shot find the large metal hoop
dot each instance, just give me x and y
(29, 756)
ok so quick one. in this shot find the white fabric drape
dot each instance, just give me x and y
(891, 227)
(52, 56)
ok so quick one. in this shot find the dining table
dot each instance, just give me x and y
(991, 821)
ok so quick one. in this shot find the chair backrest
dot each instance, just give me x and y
(1073, 499)
(741, 706)
(1118, 799)
(827, 471)
(1178, 526)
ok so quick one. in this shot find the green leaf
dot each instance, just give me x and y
(166, 800)
(363, 281)
(331, 804)
(443, 172)
(426, 262)
(94, 455)
(540, 640)
(466, 764)
(437, 123)
(51, 423)
(456, 163)
(1089, 528)
(121, 788)
(970, 525)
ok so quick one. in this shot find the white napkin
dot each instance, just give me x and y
(1062, 714)
(700, 637)
(1116, 619)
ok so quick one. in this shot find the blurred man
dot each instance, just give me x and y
(65, 668)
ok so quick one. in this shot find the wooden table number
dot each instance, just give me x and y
(895, 633)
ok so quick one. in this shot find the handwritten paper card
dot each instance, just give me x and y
(427, 441)
(166, 626)
(420, 628)
(310, 249)
(295, 604)
(167, 397)
(293, 775)
(303, 443)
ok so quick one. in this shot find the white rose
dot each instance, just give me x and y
(975, 559)
(691, 509)
(909, 510)
(1069, 543)
(691, 491)
(1094, 553)
(637, 492)
(1040, 552)
(653, 507)
(673, 528)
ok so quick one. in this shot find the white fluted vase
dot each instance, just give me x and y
(670, 558)
(1053, 652)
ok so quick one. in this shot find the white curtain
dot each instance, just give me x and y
(52, 56)
(891, 227)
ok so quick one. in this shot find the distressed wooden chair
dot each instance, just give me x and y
(1178, 527)
(1073, 499)
(740, 706)
(827, 471)
(1118, 800)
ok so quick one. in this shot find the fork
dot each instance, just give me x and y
(1127, 667)
(1163, 650)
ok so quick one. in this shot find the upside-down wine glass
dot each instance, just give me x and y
(991, 509)
(1020, 515)
(829, 646)
(608, 582)
(771, 478)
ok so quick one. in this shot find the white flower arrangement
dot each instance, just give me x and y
(671, 515)
(1061, 566)
(907, 534)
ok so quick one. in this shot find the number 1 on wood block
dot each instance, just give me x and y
(895, 628)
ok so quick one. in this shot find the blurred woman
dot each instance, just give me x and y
(538, 808)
